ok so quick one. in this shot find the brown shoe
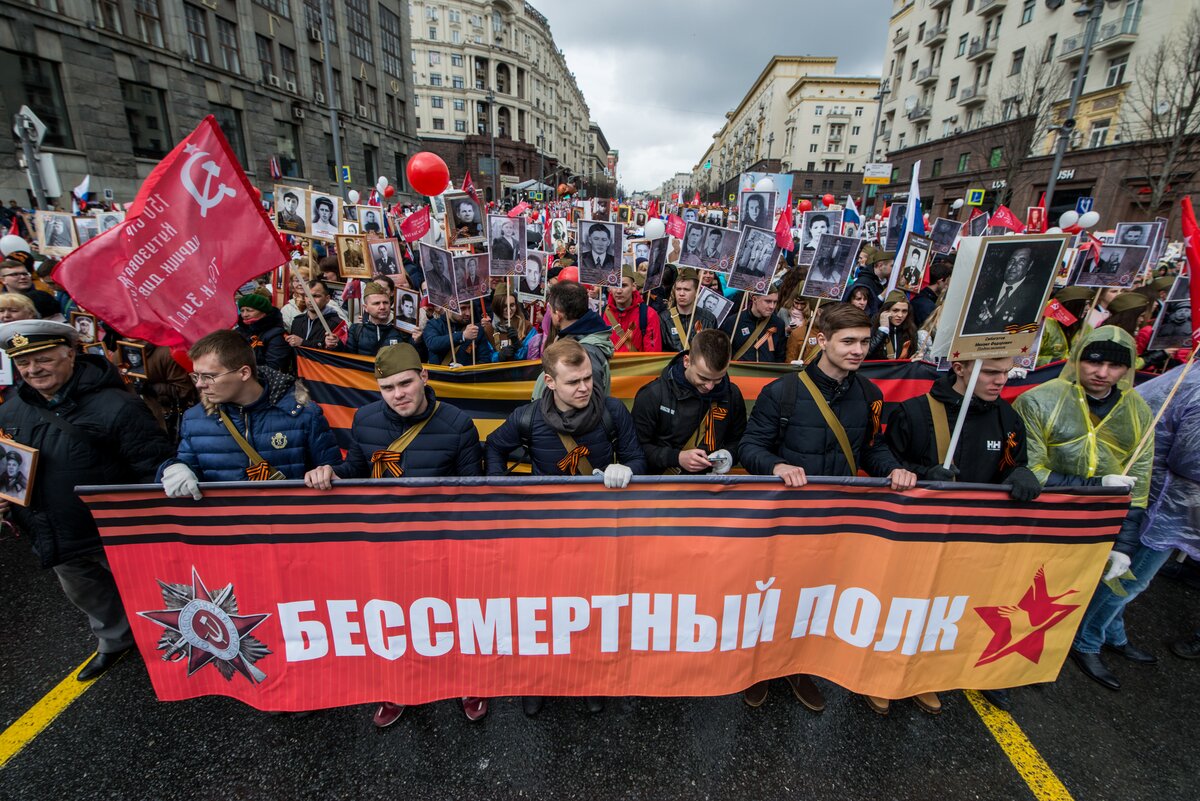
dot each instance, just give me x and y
(879, 706)
(928, 703)
(807, 692)
(755, 695)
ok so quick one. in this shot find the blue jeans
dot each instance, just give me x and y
(1104, 621)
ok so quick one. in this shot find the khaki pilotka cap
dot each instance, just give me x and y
(395, 359)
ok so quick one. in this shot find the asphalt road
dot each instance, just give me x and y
(117, 742)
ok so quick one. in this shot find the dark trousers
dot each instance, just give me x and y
(88, 583)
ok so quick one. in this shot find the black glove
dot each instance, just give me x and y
(508, 353)
(939, 473)
(1025, 486)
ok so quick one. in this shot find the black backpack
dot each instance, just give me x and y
(524, 420)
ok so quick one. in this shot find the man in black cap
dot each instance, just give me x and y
(407, 433)
(88, 428)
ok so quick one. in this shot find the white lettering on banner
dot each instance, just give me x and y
(656, 622)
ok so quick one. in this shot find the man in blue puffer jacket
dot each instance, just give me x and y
(270, 410)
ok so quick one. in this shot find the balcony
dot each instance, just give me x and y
(901, 37)
(936, 35)
(833, 155)
(986, 8)
(927, 76)
(1116, 34)
(835, 139)
(1072, 48)
(936, 4)
(981, 50)
(920, 113)
(972, 95)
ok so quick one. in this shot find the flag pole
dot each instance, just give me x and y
(1149, 432)
(811, 319)
(962, 412)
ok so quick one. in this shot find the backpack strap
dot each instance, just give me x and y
(941, 427)
(831, 420)
(523, 419)
(787, 405)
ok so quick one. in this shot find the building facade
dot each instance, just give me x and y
(490, 77)
(977, 91)
(120, 83)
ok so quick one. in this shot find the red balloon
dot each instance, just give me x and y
(390, 190)
(256, 192)
(427, 173)
(805, 205)
(828, 200)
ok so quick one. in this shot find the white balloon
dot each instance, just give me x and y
(381, 183)
(1068, 219)
(11, 243)
(764, 185)
(352, 196)
(957, 204)
(1089, 219)
(655, 229)
(1054, 230)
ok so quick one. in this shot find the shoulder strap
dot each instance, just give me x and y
(787, 405)
(622, 335)
(246, 447)
(389, 459)
(575, 463)
(831, 420)
(70, 429)
(941, 427)
(754, 335)
(643, 319)
(679, 328)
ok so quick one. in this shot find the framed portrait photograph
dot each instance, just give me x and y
(1173, 328)
(600, 246)
(464, 219)
(370, 220)
(470, 276)
(942, 234)
(96, 349)
(977, 226)
(507, 244)
(408, 314)
(756, 210)
(85, 324)
(352, 262)
(18, 467)
(708, 247)
(624, 215)
(754, 260)
(559, 231)
(1035, 219)
(832, 267)
(690, 215)
(439, 276)
(56, 233)
(715, 303)
(109, 219)
(86, 229)
(291, 206)
(531, 283)
(351, 228)
(640, 218)
(656, 263)
(132, 357)
(384, 256)
(1135, 233)
(913, 263)
(325, 216)
(715, 217)
(1117, 267)
(812, 225)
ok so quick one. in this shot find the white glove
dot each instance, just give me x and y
(1118, 563)
(1018, 372)
(1115, 480)
(179, 482)
(722, 461)
(884, 329)
(616, 476)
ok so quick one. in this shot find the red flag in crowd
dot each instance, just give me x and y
(675, 196)
(783, 228)
(194, 234)
(415, 226)
(469, 187)
(1057, 311)
(518, 209)
(1003, 217)
(652, 211)
(975, 212)
(696, 199)
(676, 226)
(1191, 246)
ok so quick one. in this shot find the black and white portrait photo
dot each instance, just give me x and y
(464, 219)
(755, 260)
(559, 228)
(439, 277)
(942, 233)
(531, 282)
(1135, 234)
(690, 215)
(18, 466)
(1117, 266)
(56, 233)
(470, 276)
(370, 219)
(290, 209)
(408, 304)
(1173, 328)
(715, 303)
(912, 263)
(1010, 290)
(351, 262)
(656, 263)
(895, 225)
(757, 210)
(506, 244)
(812, 225)
(384, 256)
(109, 219)
(85, 324)
(832, 266)
(977, 225)
(132, 356)
(86, 229)
(600, 246)
(708, 247)
(325, 218)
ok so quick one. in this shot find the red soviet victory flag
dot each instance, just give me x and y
(1191, 246)
(415, 225)
(1054, 309)
(192, 236)
(1003, 217)
(676, 226)
(783, 228)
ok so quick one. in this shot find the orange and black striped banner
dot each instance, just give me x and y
(414, 590)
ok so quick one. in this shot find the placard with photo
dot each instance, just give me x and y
(86, 229)
(408, 310)
(600, 246)
(470, 276)
(109, 219)
(757, 210)
(708, 247)
(352, 263)
(978, 225)
(85, 324)
(1173, 328)
(832, 267)
(812, 225)
(464, 219)
(913, 263)
(56, 233)
(291, 206)
(1136, 233)
(507, 244)
(1117, 266)
(755, 260)
(325, 216)
(559, 232)
(18, 469)
(384, 256)
(439, 276)
(942, 233)
(531, 283)
(656, 264)
(132, 358)
(715, 303)
(370, 220)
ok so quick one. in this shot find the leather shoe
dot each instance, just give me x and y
(100, 663)
(929, 703)
(1134, 654)
(532, 704)
(879, 706)
(997, 698)
(806, 692)
(1188, 648)
(755, 694)
(387, 714)
(1094, 668)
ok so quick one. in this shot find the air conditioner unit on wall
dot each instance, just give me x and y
(298, 112)
(319, 97)
(291, 86)
(314, 34)
(362, 111)
(273, 80)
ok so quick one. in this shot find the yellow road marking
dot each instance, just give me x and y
(1025, 758)
(42, 714)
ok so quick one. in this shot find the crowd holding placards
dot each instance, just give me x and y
(233, 408)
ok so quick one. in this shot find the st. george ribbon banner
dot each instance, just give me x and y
(415, 590)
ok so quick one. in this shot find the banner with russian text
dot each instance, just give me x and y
(418, 590)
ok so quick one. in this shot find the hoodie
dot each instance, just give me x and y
(596, 337)
(632, 336)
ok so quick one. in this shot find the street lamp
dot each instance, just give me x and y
(491, 101)
(1091, 9)
(884, 91)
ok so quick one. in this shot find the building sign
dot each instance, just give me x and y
(975, 197)
(345, 173)
(880, 173)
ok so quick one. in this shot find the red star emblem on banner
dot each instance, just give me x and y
(1021, 629)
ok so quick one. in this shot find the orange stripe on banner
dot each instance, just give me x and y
(338, 416)
(340, 376)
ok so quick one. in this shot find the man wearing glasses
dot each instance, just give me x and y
(252, 423)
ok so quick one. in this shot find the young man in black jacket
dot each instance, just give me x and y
(758, 333)
(684, 318)
(691, 418)
(410, 433)
(990, 450)
(378, 330)
(824, 421)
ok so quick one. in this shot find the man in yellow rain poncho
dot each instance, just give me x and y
(1082, 429)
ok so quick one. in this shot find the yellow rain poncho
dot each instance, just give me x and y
(1065, 444)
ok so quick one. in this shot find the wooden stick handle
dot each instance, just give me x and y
(1149, 432)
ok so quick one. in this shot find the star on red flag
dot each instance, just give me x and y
(1021, 629)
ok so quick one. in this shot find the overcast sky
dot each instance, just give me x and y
(659, 76)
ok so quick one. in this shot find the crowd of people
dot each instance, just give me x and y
(235, 410)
